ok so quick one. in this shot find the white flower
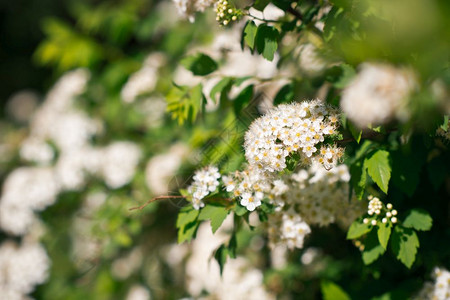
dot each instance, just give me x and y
(205, 182)
(250, 201)
(22, 268)
(287, 129)
(378, 94)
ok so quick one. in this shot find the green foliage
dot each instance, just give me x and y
(66, 49)
(384, 233)
(215, 213)
(187, 223)
(379, 169)
(285, 94)
(250, 31)
(199, 64)
(185, 103)
(332, 291)
(418, 220)
(404, 245)
(372, 248)
(357, 229)
(266, 41)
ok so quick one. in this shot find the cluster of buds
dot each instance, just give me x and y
(376, 208)
(226, 13)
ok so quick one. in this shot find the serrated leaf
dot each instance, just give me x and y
(357, 229)
(220, 87)
(384, 232)
(214, 213)
(372, 249)
(379, 169)
(332, 291)
(267, 41)
(199, 64)
(250, 34)
(419, 220)
(404, 245)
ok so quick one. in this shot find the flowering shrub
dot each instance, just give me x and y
(232, 150)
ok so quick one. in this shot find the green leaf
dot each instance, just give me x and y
(358, 178)
(332, 291)
(267, 41)
(232, 246)
(186, 215)
(187, 223)
(419, 220)
(244, 97)
(220, 87)
(347, 75)
(260, 4)
(221, 257)
(250, 34)
(186, 233)
(372, 249)
(285, 94)
(184, 103)
(356, 133)
(379, 169)
(240, 210)
(199, 64)
(384, 232)
(214, 213)
(405, 244)
(357, 229)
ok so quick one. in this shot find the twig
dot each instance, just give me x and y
(156, 199)
(295, 13)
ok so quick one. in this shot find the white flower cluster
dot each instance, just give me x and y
(440, 290)
(205, 182)
(288, 228)
(376, 208)
(307, 193)
(239, 280)
(188, 8)
(21, 269)
(310, 195)
(291, 128)
(249, 185)
(26, 190)
(378, 94)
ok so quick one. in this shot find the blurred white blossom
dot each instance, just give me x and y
(22, 268)
(378, 94)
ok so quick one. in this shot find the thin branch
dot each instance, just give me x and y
(156, 199)
(295, 13)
